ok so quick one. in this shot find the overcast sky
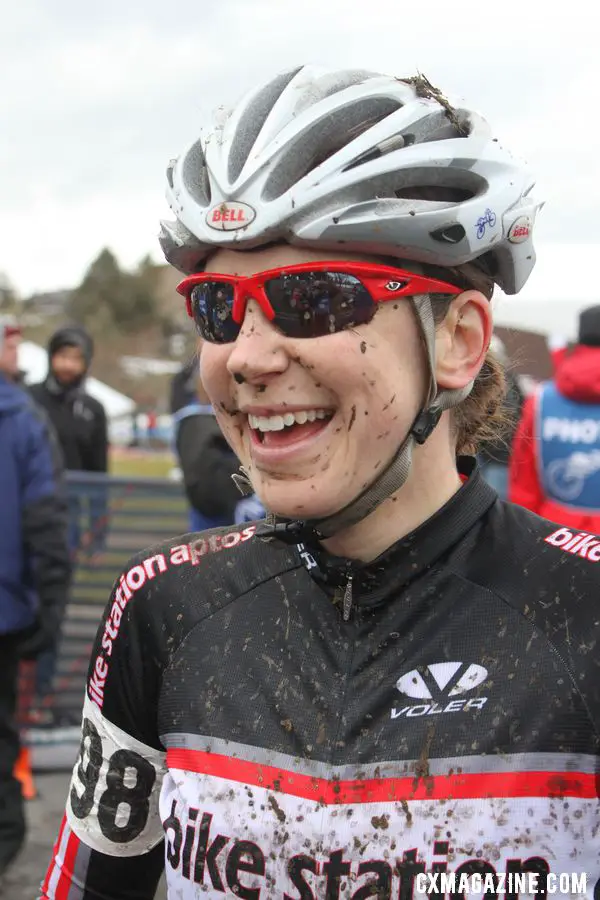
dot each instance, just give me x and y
(97, 97)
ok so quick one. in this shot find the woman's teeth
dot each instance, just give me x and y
(278, 423)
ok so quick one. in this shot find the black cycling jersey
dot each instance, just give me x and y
(264, 720)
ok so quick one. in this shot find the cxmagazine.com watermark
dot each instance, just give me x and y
(511, 884)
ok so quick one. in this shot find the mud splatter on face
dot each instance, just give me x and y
(352, 418)
(230, 412)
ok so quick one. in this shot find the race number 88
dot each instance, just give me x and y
(118, 797)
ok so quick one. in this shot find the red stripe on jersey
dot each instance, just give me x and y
(65, 881)
(52, 865)
(381, 790)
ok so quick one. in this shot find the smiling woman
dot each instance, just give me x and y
(317, 352)
(336, 700)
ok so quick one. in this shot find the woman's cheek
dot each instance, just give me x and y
(213, 369)
(232, 431)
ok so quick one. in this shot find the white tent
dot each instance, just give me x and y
(561, 284)
(33, 360)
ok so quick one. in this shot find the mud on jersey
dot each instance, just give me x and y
(240, 733)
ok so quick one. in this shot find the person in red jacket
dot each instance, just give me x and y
(555, 463)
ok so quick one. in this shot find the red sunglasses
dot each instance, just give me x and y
(304, 301)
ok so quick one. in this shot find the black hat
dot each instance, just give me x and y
(184, 386)
(72, 336)
(589, 327)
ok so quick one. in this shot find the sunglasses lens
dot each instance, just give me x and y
(212, 306)
(313, 304)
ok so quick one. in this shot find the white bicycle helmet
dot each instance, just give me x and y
(362, 162)
(340, 160)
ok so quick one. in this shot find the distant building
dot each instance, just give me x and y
(528, 353)
(51, 303)
(140, 366)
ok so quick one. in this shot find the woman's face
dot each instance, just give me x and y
(347, 400)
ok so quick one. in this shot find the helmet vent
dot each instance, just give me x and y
(195, 175)
(434, 127)
(452, 234)
(395, 142)
(324, 139)
(437, 193)
(170, 168)
(254, 117)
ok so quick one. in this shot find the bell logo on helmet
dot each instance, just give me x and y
(230, 216)
(520, 230)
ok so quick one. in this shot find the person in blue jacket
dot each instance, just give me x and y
(205, 458)
(34, 563)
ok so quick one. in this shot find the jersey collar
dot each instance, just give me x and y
(411, 555)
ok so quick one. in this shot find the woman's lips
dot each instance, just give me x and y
(289, 441)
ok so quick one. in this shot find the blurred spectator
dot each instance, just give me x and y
(10, 337)
(184, 386)
(555, 466)
(494, 458)
(81, 426)
(151, 427)
(34, 565)
(206, 459)
(135, 428)
(79, 420)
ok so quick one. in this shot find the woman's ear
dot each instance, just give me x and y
(462, 340)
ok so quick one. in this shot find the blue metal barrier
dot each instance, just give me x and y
(110, 519)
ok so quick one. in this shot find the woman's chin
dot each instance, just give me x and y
(304, 499)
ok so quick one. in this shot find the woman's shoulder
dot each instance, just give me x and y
(165, 591)
(547, 545)
(548, 573)
(231, 558)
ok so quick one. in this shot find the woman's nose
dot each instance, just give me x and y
(259, 349)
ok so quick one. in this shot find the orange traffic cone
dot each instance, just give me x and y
(22, 772)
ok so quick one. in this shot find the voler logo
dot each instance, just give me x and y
(436, 685)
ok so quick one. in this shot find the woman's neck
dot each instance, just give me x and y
(432, 481)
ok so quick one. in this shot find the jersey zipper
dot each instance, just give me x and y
(347, 602)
